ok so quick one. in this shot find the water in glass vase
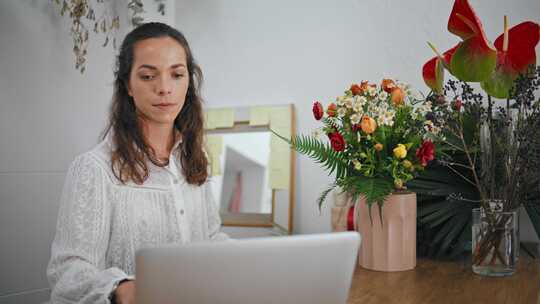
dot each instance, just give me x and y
(495, 242)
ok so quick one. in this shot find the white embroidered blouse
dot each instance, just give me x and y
(102, 222)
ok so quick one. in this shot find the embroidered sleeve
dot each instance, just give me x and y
(77, 271)
(214, 221)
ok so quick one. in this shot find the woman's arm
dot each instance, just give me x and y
(77, 270)
(214, 221)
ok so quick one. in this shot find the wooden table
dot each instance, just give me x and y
(447, 282)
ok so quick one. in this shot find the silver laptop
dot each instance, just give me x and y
(301, 269)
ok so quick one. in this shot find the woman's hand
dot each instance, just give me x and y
(125, 293)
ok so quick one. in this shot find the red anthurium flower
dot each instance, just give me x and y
(475, 58)
(337, 141)
(463, 21)
(514, 58)
(433, 70)
(426, 152)
(318, 110)
(433, 73)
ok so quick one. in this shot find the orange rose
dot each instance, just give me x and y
(356, 89)
(397, 96)
(388, 85)
(364, 86)
(332, 109)
(368, 124)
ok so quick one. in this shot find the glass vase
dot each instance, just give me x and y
(495, 242)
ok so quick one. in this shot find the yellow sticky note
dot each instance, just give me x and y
(219, 118)
(259, 116)
(279, 164)
(279, 178)
(278, 144)
(280, 120)
(214, 144)
(280, 158)
(215, 166)
(209, 122)
(224, 118)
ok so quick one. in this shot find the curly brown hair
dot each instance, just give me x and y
(131, 153)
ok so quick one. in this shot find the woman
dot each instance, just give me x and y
(145, 183)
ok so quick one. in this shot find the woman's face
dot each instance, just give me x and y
(159, 79)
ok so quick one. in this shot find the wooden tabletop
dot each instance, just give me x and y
(447, 282)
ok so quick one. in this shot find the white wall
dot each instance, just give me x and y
(252, 52)
(49, 113)
(256, 52)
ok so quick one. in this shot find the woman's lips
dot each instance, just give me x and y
(164, 105)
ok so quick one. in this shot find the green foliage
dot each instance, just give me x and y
(324, 194)
(445, 203)
(331, 160)
(375, 189)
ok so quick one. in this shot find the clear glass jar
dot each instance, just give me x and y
(495, 242)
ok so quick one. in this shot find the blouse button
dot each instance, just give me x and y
(181, 211)
(175, 181)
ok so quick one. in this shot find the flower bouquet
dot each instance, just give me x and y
(495, 145)
(379, 137)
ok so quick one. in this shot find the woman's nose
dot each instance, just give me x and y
(164, 86)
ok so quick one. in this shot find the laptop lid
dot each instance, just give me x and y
(298, 269)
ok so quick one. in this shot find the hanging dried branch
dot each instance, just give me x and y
(83, 17)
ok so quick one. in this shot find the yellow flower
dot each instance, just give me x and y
(379, 147)
(407, 164)
(398, 183)
(400, 151)
(357, 164)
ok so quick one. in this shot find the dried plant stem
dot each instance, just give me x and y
(491, 149)
(491, 242)
(460, 175)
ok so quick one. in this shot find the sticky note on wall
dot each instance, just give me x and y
(219, 118)
(214, 145)
(280, 153)
(280, 120)
(215, 166)
(259, 116)
(280, 170)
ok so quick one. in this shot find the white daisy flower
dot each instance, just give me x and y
(361, 99)
(340, 100)
(414, 114)
(349, 102)
(341, 112)
(316, 133)
(380, 120)
(372, 91)
(373, 108)
(389, 118)
(383, 95)
(355, 119)
(386, 118)
(358, 107)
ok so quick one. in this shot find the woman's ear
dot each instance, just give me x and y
(128, 87)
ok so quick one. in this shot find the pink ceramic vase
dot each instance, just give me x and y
(390, 245)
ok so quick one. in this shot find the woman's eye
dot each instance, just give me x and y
(178, 75)
(147, 77)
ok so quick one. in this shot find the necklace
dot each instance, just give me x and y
(159, 162)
